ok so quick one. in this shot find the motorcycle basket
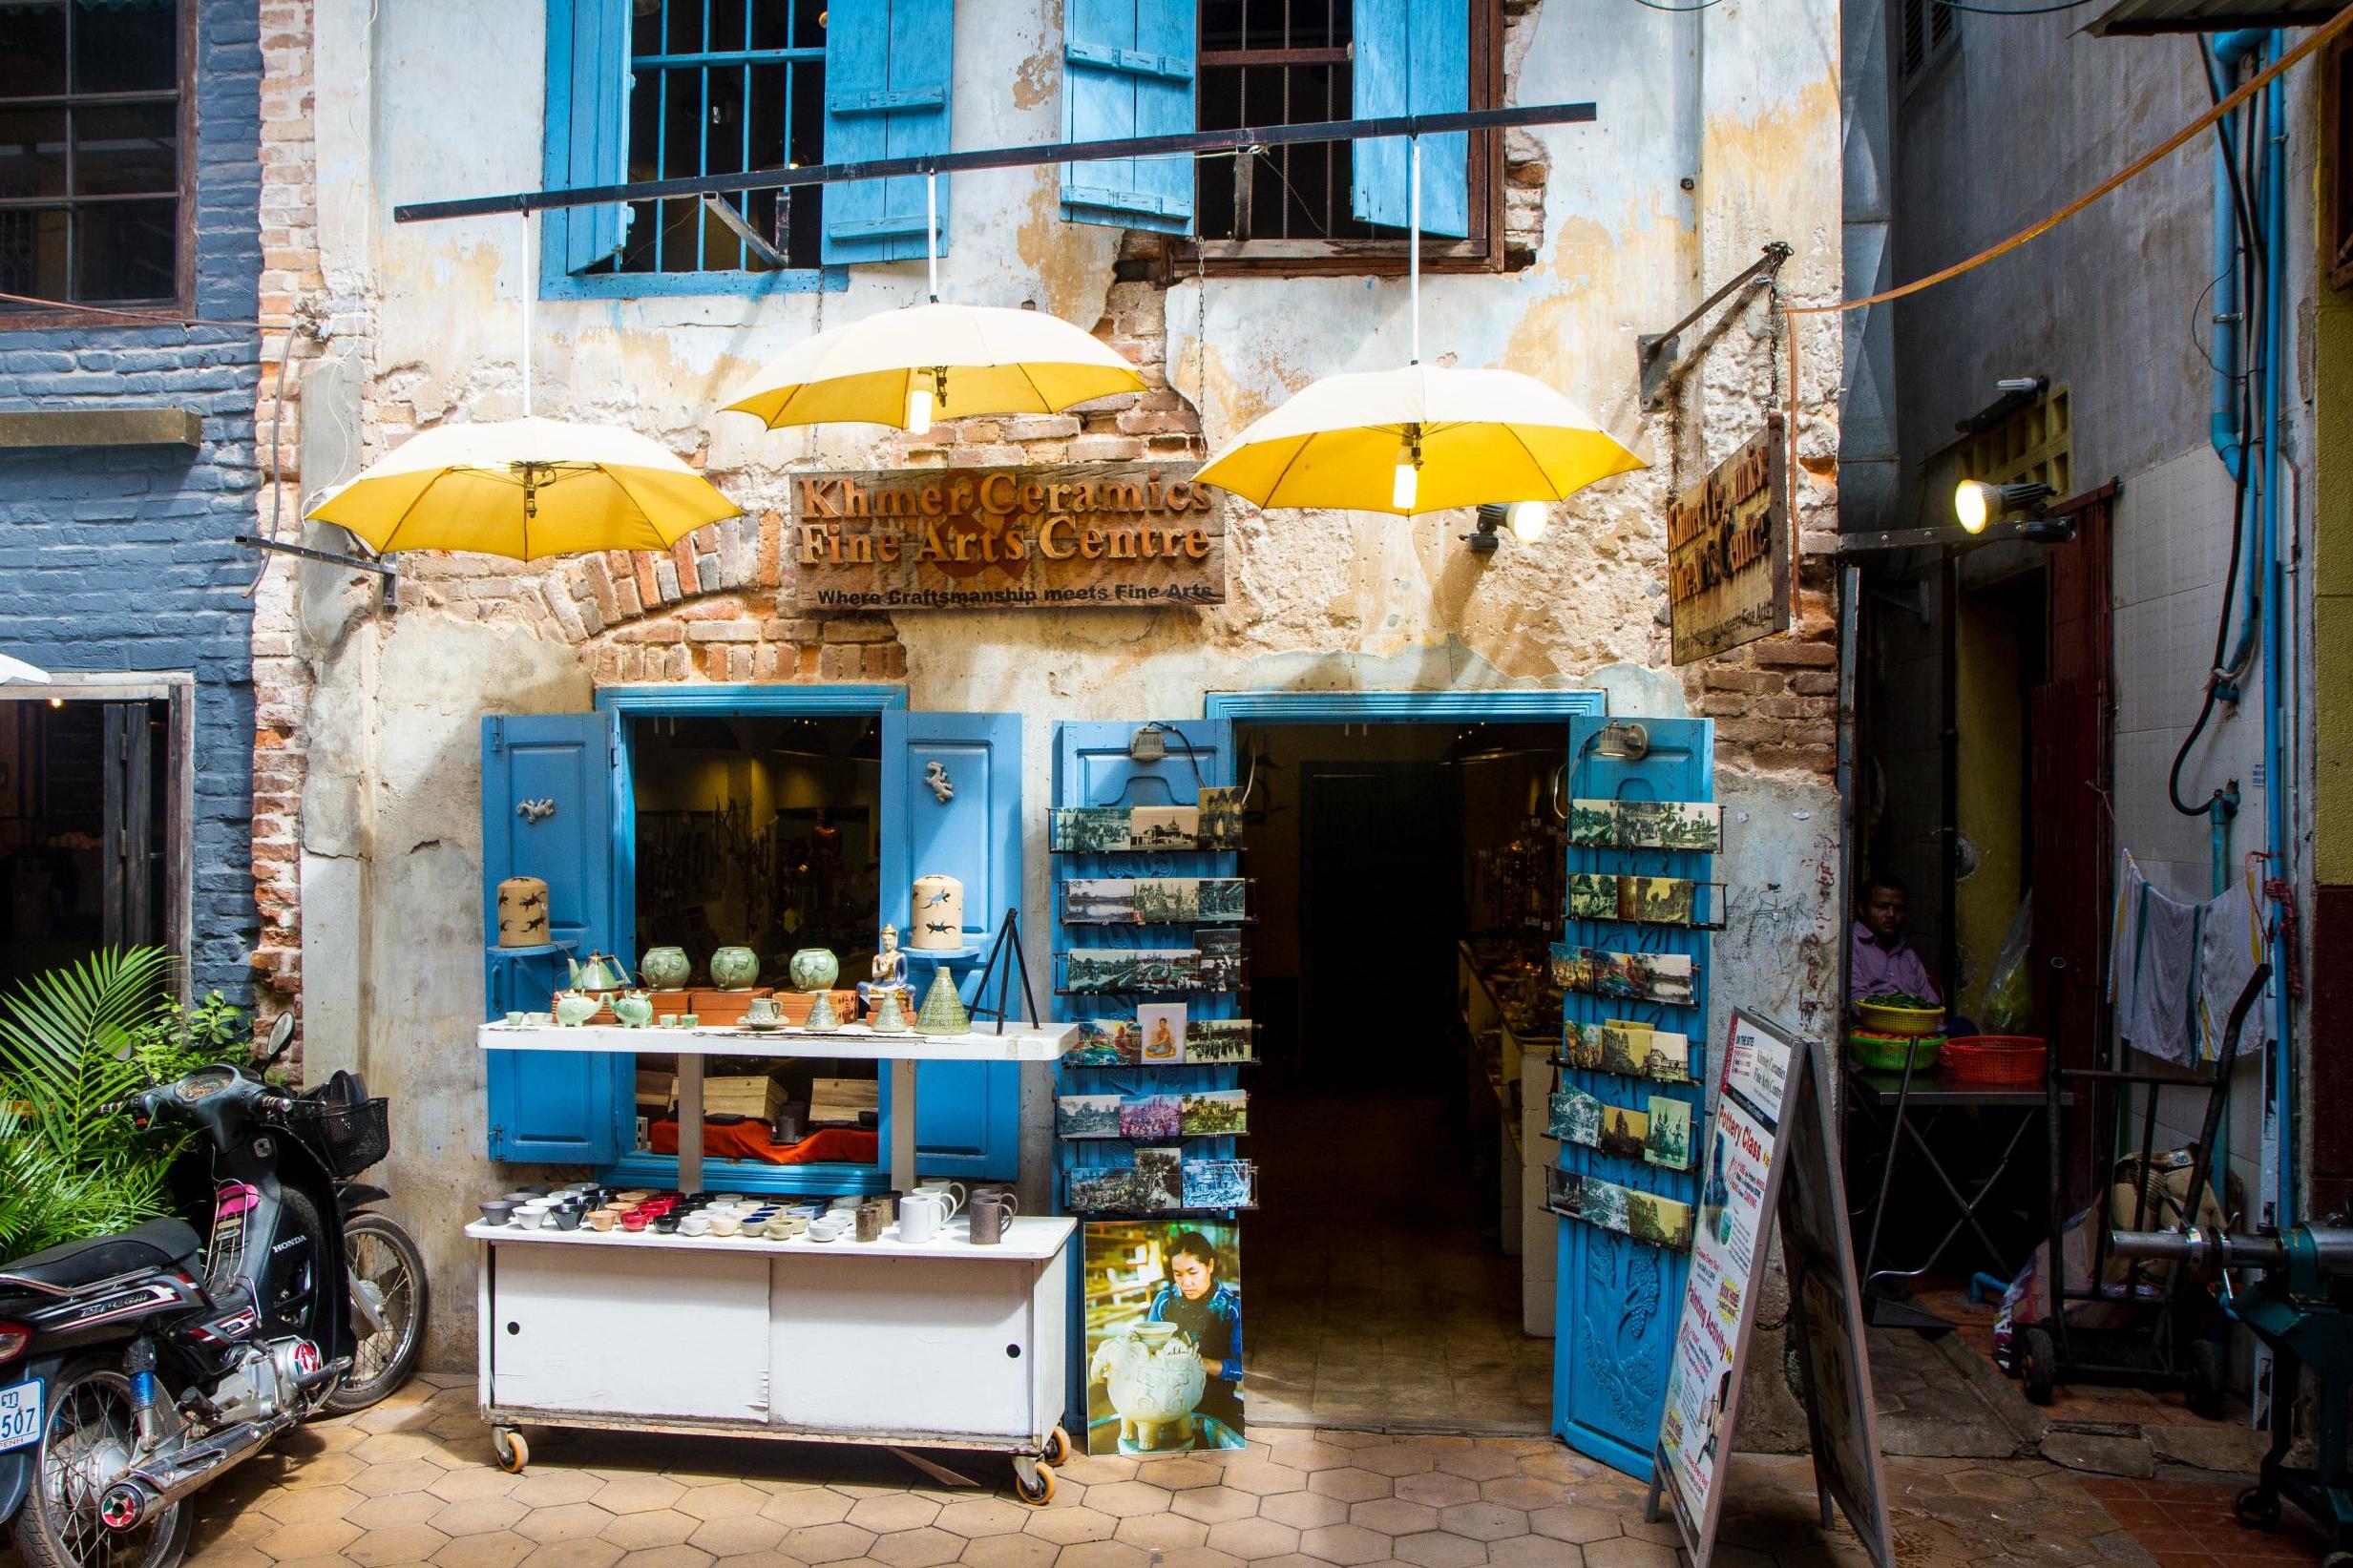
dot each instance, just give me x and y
(349, 1137)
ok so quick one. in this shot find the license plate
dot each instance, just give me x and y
(20, 1414)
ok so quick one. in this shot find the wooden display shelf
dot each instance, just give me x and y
(1038, 1042)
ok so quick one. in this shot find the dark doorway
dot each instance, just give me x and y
(1380, 910)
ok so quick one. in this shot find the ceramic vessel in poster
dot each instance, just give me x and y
(1155, 1379)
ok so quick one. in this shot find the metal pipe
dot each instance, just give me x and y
(2275, 785)
(1180, 143)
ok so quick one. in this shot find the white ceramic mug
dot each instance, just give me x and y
(941, 1186)
(922, 1213)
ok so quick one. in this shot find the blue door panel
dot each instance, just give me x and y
(968, 1113)
(567, 1107)
(1413, 57)
(1618, 1299)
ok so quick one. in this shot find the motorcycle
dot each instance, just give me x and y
(138, 1368)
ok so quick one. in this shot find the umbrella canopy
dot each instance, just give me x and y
(1470, 436)
(16, 669)
(971, 359)
(526, 488)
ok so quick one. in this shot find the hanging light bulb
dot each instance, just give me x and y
(919, 400)
(1528, 520)
(1407, 484)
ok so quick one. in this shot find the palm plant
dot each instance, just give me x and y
(73, 1042)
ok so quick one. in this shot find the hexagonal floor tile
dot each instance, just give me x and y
(650, 1529)
(1480, 1464)
(1071, 1524)
(316, 1538)
(1346, 1544)
(497, 1549)
(1104, 1554)
(1439, 1549)
(1126, 1499)
(591, 1553)
(885, 1514)
(735, 1534)
(1438, 1489)
(388, 1544)
(638, 1494)
(814, 1506)
(1254, 1539)
(1304, 1510)
(1574, 1523)
(565, 1522)
(1534, 1552)
(666, 1557)
(722, 1500)
(1163, 1533)
(1216, 1504)
(926, 1546)
(1010, 1552)
(976, 1517)
(1265, 1478)
(827, 1542)
(1483, 1521)
(1350, 1484)
(1394, 1516)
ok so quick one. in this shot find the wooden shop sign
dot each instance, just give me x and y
(1112, 536)
(1728, 550)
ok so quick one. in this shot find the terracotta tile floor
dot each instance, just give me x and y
(411, 1482)
(2189, 1524)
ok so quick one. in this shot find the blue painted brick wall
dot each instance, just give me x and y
(121, 558)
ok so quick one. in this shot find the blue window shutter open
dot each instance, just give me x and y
(552, 1105)
(588, 124)
(887, 65)
(1128, 71)
(969, 1114)
(1413, 57)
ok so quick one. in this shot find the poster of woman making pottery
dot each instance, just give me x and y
(1164, 1336)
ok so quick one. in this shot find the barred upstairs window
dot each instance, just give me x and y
(91, 144)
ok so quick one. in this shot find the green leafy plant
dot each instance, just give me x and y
(75, 1042)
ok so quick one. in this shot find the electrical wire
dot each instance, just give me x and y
(1653, 5)
(2009, 11)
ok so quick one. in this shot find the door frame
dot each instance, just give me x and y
(1404, 707)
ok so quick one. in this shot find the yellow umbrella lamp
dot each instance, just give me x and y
(907, 367)
(1422, 438)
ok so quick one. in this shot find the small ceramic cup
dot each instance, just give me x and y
(498, 1211)
(632, 1222)
(695, 1224)
(515, 1019)
(565, 1218)
(604, 1219)
(723, 1224)
(688, 1021)
(871, 1218)
(666, 1224)
(783, 1227)
(535, 1020)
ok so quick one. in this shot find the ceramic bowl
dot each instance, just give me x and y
(604, 1219)
(695, 1224)
(537, 1189)
(498, 1211)
(519, 1195)
(666, 1224)
(632, 1222)
(723, 1225)
(566, 1218)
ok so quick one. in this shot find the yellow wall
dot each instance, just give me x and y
(2332, 593)
(1988, 796)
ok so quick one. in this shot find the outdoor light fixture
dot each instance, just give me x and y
(1406, 483)
(1148, 745)
(923, 398)
(1623, 741)
(1976, 502)
(1528, 520)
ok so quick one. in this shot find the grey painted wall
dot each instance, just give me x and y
(120, 558)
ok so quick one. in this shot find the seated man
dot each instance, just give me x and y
(1883, 963)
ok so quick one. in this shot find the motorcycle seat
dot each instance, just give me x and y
(69, 1266)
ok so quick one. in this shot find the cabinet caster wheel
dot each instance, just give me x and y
(508, 1446)
(1058, 1449)
(2258, 1509)
(1033, 1482)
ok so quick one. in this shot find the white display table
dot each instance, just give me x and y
(940, 1342)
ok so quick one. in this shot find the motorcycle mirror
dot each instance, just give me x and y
(280, 1037)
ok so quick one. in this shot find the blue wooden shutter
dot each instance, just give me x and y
(588, 125)
(969, 1114)
(1617, 1298)
(1128, 71)
(887, 65)
(1413, 57)
(552, 1105)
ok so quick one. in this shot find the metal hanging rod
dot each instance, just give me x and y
(1002, 157)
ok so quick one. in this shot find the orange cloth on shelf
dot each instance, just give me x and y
(749, 1139)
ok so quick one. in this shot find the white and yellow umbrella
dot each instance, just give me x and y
(526, 488)
(907, 367)
(1421, 438)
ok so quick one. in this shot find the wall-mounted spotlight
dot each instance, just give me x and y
(1527, 520)
(1976, 502)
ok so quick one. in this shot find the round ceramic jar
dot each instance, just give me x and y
(665, 969)
(734, 968)
(813, 968)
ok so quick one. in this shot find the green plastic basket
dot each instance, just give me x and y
(1885, 1053)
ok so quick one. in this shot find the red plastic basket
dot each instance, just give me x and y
(2008, 1059)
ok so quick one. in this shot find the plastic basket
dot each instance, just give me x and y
(1885, 1053)
(347, 1138)
(1888, 1018)
(2007, 1060)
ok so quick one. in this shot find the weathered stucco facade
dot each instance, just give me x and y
(369, 718)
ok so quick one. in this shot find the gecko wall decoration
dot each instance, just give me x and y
(535, 813)
(935, 777)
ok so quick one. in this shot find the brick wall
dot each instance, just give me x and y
(121, 558)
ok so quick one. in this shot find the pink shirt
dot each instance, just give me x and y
(1876, 970)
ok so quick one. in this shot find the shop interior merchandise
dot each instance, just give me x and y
(1391, 864)
(761, 831)
(66, 814)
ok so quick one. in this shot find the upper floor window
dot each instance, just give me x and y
(664, 89)
(91, 140)
(1925, 33)
(1152, 66)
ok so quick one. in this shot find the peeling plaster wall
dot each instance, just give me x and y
(1700, 155)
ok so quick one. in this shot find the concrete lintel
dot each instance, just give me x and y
(151, 426)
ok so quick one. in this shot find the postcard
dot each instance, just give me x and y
(1659, 899)
(1104, 1042)
(1661, 1222)
(1602, 1204)
(1216, 1112)
(1625, 1050)
(1089, 829)
(1213, 1041)
(1220, 1183)
(1168, 827)
(1563, 1191)
(1581, 1047)
(1160, 1030)
(1217, 958)
(1221, 820)
(1670, 1056)
(1691, 825)
(1593, 824)
(1642, 824)
(1151, 1116)
(1160, 1178)
(1623, 1132)
(1669, 1140)
(1574, 1117)
(1091, 971)
(1593, 895)
(1086, 1116)
(1103, 1188)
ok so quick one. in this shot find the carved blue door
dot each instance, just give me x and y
(1092, 767)
(1618, 1298)
(964, 821)
(547, 811)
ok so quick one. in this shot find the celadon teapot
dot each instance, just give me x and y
(598, 972)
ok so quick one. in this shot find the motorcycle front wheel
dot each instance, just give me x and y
(388, 1270)
(85, 1444)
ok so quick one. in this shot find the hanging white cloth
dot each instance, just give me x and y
(2174, 969)
(2229, 945)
